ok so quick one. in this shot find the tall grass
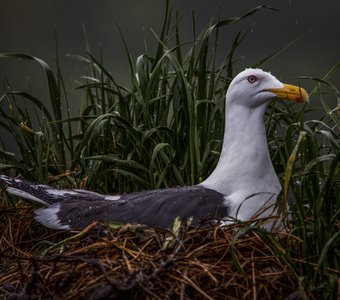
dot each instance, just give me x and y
(166, 129)
(308, 155)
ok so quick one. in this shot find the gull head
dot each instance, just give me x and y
(255, 87)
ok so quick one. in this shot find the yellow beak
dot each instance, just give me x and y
(291, 92)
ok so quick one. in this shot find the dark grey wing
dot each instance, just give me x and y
(157, 208)
(44, 194)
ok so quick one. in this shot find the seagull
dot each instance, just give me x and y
(243, 185)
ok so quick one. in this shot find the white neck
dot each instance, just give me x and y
(244, 167)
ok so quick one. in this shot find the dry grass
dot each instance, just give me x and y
(131, 262)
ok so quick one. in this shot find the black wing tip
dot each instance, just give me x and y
(6, 180)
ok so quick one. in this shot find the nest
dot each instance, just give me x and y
(138, 262)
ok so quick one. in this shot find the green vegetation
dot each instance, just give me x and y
(166, 129)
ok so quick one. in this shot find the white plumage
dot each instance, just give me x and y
(243, 184)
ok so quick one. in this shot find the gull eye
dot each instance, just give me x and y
(252, 78)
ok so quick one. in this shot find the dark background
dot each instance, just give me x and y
(29, 26)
